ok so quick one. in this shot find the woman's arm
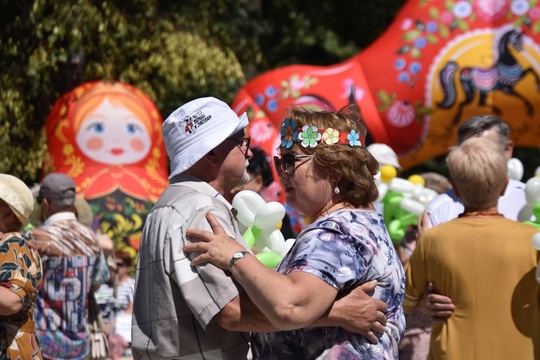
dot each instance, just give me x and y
(18, 292)
(10, 303)
(288, 301)
(356, 312)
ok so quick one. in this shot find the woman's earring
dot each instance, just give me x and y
(336, 190)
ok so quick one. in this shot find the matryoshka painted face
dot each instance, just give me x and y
(113, 135)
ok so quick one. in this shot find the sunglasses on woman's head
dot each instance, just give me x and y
(286, 164)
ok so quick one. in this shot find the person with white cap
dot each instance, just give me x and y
(69, 251)
(180, 312)
(385, 155)
(20, 271)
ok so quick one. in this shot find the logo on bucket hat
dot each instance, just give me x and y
(194, 121)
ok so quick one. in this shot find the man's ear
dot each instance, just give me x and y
(45, 208)
(509, 149)
(258, 183)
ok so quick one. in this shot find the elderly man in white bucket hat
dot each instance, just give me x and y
(177, 312)
(202, 313)
(20, 269)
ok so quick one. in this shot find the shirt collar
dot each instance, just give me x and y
(199, 185)
(60, 216)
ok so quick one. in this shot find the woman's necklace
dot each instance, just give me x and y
(339, 208)
(480, 213)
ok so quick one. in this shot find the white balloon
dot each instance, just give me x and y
(247, 203)
(537, 171)
(525, 213)
(515, 169)
(275, 241)
(401, 186)
(536, 241)
(269, 215)
(412, 206)
(532, 195)
(532, 190)
(383, 189)
(426, 196)
(287, 246)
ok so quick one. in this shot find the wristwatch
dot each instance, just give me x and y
(237, 256)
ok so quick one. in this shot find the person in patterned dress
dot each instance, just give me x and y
(69, 251)
(20, 273)
(326, 173)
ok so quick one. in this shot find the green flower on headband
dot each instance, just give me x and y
(353, 138)
(330, 136)
(288, 133)
(309, 136)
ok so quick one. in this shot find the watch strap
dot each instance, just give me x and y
(236, 257)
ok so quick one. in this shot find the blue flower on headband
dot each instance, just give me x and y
(288, 133)
(353, 138)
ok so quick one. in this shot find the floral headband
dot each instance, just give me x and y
(311, 135)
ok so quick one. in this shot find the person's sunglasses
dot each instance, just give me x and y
(286, 164)
(242, 143)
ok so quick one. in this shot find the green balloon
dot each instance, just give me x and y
(269, 259)
(396, 231)
(251, 234)
(392, 205)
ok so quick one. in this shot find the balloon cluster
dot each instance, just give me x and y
(404, 200)
(532, 195)
(262, 221)
(532, 211)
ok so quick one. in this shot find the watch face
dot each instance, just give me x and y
(238, 255)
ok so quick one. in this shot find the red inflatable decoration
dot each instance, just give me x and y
(107, 137)
(440, 62)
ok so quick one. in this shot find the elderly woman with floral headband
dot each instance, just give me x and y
(327, 173)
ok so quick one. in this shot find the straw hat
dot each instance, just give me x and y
(17, 196)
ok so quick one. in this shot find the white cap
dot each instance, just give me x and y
(196, 128)
(384, 155)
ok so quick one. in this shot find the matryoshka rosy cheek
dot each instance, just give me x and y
(94, 143)
(138, 145)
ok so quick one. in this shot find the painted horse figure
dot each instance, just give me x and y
(503, 75)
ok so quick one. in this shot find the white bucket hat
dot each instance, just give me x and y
(384, 155)
(17, 196)
(196, 128)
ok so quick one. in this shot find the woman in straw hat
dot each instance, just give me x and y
(20, 272)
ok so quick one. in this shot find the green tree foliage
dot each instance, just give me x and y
(322, 32)
(173, 52)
